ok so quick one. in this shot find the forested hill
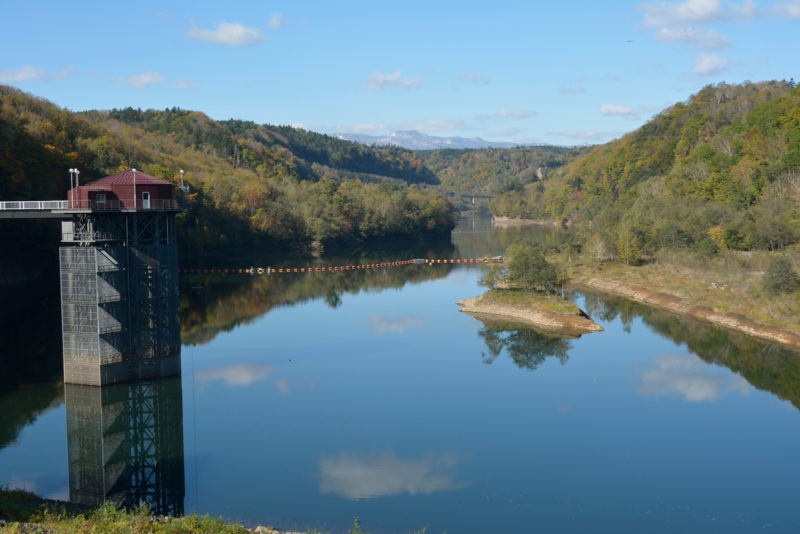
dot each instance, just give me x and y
(252, 184)
(723, 167)
(299, 153)
(493, 171)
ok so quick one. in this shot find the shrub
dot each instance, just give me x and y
(780, 277)
(707, 248)
(529, 270)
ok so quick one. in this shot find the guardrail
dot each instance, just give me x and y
(88, 236)
(93, 205)
(40, 205)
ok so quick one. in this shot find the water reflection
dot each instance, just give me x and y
(690, 378)
(766, 366)
(125, 444)
(211, 304)
(21, 406)
(30, 333)
(30, 354)
(356, 476)
(239, 375)
(398, 325)
(470, 236)
(526, 347)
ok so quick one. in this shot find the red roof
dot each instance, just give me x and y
(126, 178)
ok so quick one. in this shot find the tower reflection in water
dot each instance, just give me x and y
(125, 444)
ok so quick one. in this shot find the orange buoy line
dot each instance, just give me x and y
(337, 268)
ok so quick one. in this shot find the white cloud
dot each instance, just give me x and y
(706, 64)
(613, 109)
(516, 113)
(698, 37)
(790, 9)
(229, 33)
(24, 74)
(378, 80)
(144, 79)
(381, 324)
(474, 77)
(747, 10)
(66, 72)
(436, 126)
(507, 114)
(571, 90)
(364, 477)
(275, 21)
(683, 22)
(691, 378)
(242, 374)
(183, 83)
(363, 128)
(695, 12)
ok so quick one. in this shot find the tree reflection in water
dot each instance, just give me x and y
(766, 366)
(526, 347)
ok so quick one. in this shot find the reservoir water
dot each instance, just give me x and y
(309, 400)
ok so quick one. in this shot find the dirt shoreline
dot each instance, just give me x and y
(733, 321)
(559, 324)
(510, 221)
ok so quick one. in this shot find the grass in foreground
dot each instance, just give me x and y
(22, 512)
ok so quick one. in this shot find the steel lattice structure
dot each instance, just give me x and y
(119, 297)
(125, 444)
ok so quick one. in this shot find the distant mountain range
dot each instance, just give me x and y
(414, 140)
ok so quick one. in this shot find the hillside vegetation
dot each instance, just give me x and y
(721, 170)
(494, 171)
(271, 186)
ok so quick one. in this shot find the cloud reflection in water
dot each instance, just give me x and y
(382, 324)
(691, 378)
(362, 477)
(242, 374)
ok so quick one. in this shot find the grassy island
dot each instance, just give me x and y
(529, 290)
(549, 313)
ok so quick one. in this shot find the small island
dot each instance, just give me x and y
(550, 314)
(529, 290)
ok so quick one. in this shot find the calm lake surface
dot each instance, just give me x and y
(307, 400)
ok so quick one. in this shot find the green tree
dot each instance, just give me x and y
(780, 277)
(493, 276)
(628, 247)
(528, 269)
(707, 248)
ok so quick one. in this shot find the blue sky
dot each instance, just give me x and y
(528, 72)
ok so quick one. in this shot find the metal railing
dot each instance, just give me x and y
(93, 205)
(35, 205)
(89, 236)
